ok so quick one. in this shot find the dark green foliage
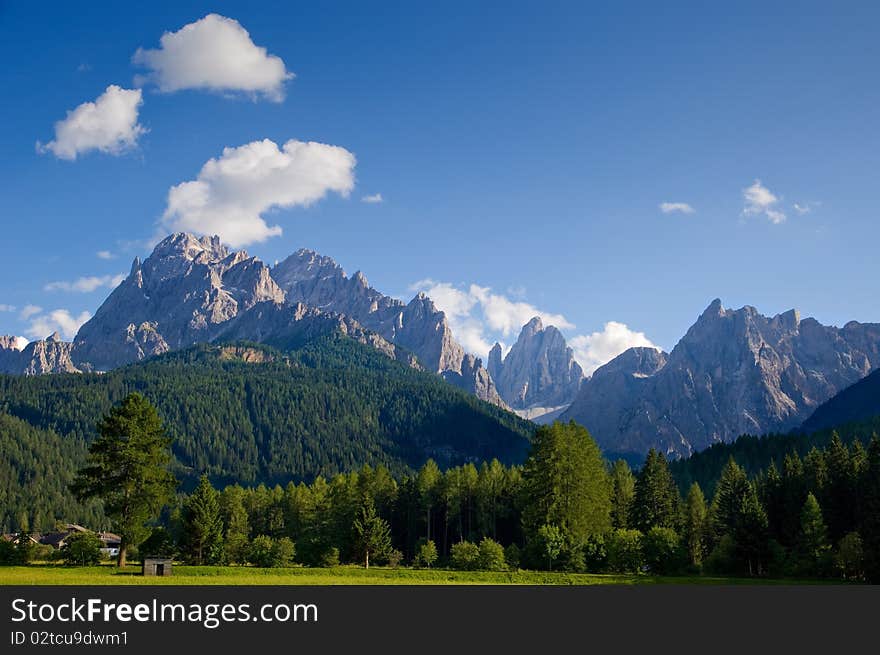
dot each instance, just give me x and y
(625, 551)
(695, 525)
(813, 549)
(372, 534)
(203, 526)
(623, 488)
(331, 406)
(849, 560)
(464, 556)
(82, 549)
(267, 552)
(127, 469)
(656, 499)
(512, 556)
(662, 551)
(566, 484)
(870, 521)
(18, 551)
(160, 543)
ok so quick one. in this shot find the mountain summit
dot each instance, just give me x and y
(734, 372)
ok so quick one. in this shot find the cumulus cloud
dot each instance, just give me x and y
(231, 193)
(216, 54)
(105, 254)
(594, 350)
(86, 284)
(673, 207)
(760, 200)
(29, 310)
(373, 199)
(478, 316)
(58, 320)
(109, 125)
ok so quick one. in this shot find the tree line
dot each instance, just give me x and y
(565, 508)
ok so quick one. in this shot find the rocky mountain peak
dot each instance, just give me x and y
(538, 371)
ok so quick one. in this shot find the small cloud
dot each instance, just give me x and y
(7, 308)
(760, 200)
(596, 349)
(374, 199)
(58, 320)
(806, 208)
(105, 254)
(109, 125)
(83, 68)
(216, 54)
(28, 311)
(673, 207)
(86, 284)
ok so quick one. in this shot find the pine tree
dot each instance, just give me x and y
(839, 492)
(623, 485)
(695, 524)
(730, 492)
(870, 494)
(565, 483)
(813, 547)
(750, 532)
(203, 525)
(128, 470)
(235, 523)
(372, 534)
(656, 499)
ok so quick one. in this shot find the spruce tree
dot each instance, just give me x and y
(565, 483)
(372, 534)
(695, 524)
(203, 525)
(813, 548)
(870, 494)
(623, 488)
(127, 469)
(656, 499)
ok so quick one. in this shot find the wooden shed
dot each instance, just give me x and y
(156, 566)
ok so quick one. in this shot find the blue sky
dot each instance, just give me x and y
(521, 150)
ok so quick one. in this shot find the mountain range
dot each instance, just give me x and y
(734, 371)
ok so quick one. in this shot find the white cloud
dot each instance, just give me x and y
(105, 254)
(760, 200)
(86, 284)
(110, 125)
(598, 348)
(478, 317)
(805, 208)
(215, 53)
(7, 308)
(231, 193)
(672, 207)
(21, 343)
(58, 320)
(29, 310)
(373, 199)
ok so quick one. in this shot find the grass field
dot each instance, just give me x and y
(341, 575)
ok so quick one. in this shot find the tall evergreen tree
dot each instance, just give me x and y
(128, 470)
(730, 493)
(565, 483)
(203, 525)
(236, 527)
(695, 524)
(372, 534)
(623, 489)
(656, 501)
(813, 546)
(870, 495)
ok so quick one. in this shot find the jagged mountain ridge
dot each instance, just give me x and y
(49, 355)
(734, 372)
(318, 281)
(539, 374)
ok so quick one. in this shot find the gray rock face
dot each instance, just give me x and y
(734, 372)
(539, 371)
(418, 326)
(51, 355)
(178, 296)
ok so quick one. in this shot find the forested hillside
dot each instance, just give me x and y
(859, 402)
(249, 414)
